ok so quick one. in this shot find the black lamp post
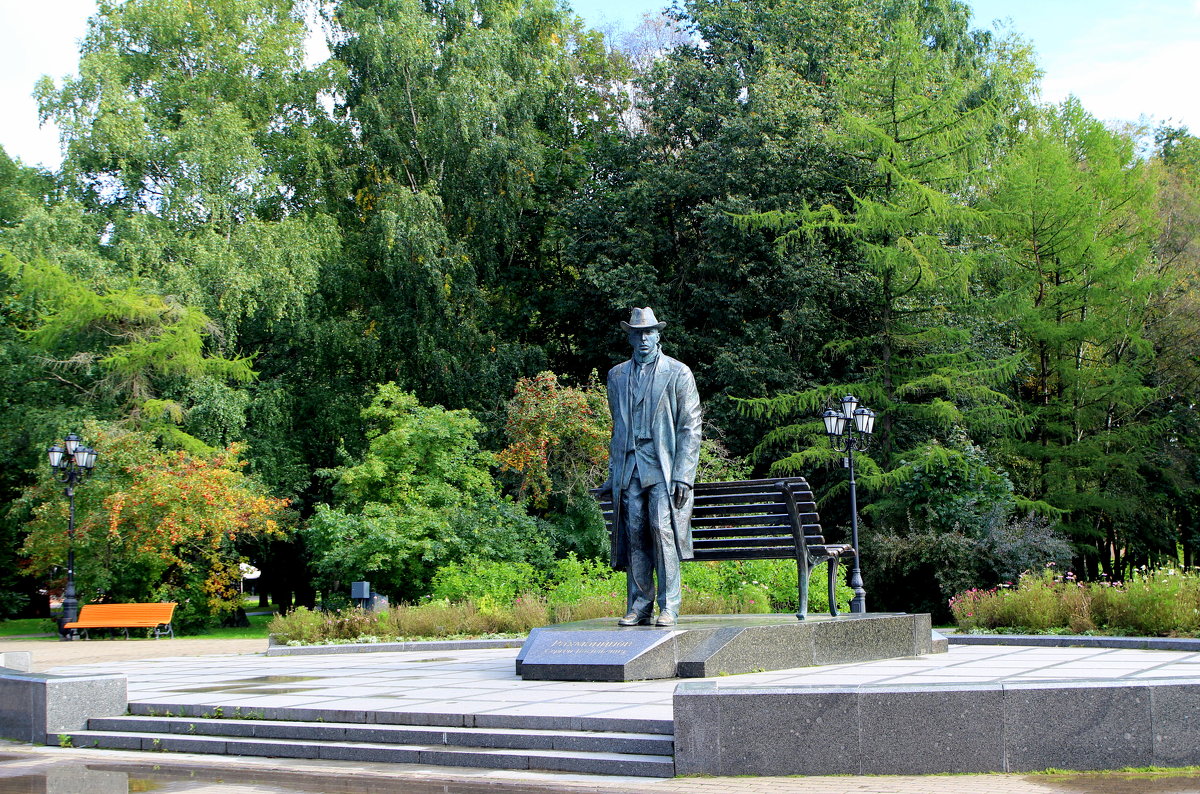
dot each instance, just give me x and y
(71, 462)
(848, 430)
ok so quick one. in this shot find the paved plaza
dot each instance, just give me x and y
(483, 682)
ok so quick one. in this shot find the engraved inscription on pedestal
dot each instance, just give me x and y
(609, 654)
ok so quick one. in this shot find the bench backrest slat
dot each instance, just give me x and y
(699, 535)
(749, 519)
(743, 520)
(160, 613)
(735, 486)
(704, 500)
(763, 541)
(705, 511)
(747, 554)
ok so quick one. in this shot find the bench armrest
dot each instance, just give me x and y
(789, 499)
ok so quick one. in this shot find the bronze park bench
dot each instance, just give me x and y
(125, 617)
(772, 519)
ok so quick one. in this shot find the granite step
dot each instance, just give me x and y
(577, 761)
(496, 738)
(664, 727)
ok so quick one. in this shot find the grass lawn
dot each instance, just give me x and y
(256, 630)
(9, 628)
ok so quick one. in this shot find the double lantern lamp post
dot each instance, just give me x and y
(71, 462)
(848, 430)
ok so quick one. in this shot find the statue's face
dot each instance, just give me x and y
(644, 342)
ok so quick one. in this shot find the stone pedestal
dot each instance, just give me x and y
(699, 646)
(36, 706)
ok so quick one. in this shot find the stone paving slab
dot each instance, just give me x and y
(482, 681)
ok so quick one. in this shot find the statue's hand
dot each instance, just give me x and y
(606, 489)
(681, 494)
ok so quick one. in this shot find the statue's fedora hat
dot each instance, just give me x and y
(641, 319)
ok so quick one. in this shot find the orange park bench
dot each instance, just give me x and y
(156, 617)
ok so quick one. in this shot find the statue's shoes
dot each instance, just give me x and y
(634, 619)
(665, 619)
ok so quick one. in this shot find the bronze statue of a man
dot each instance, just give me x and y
(653, 455)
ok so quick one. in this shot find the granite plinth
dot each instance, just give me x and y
(700, 646)
(17, 661)
(963, 728)
(33, 705)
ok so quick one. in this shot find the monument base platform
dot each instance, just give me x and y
(699, 646)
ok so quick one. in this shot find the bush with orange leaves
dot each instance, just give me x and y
(558, 437)
(154, 525)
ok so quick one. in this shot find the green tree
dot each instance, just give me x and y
(1075, 232)
(472, 115)
(422, 496)
(728, 123)
(117, 350)
(558, 445)
(1175, 331)
(921, 113)
(190, 129)
(923, 116)
(152, 525)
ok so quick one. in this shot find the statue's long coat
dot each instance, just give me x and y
(675, 431)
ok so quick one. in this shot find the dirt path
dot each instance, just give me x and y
(52, 652)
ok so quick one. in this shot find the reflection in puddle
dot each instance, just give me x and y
(1123, 782)
(249, 690)
(41, 775)
(66, 777)
(275, 679)
(258, 685)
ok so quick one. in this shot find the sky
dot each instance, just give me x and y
(1125, 59)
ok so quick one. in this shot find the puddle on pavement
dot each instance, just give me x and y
(67, 777)
(274, 679)
(31, 775)
(442, 659)
(1122, 782)
(248, 690)
(259, 685)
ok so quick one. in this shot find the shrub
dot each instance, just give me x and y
(1157, 603)
(495, 598)
(770, 584)
(473, 579)
(421, 497)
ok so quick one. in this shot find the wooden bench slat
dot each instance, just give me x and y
(733, 510)
(699, 535)
(749, 486)
(784, 544)
(745, 519)
(738, 532)
(736, 499)
(746, 554)
(808, 513)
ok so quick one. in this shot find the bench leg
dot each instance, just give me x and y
(832, 565)
(802, 571)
